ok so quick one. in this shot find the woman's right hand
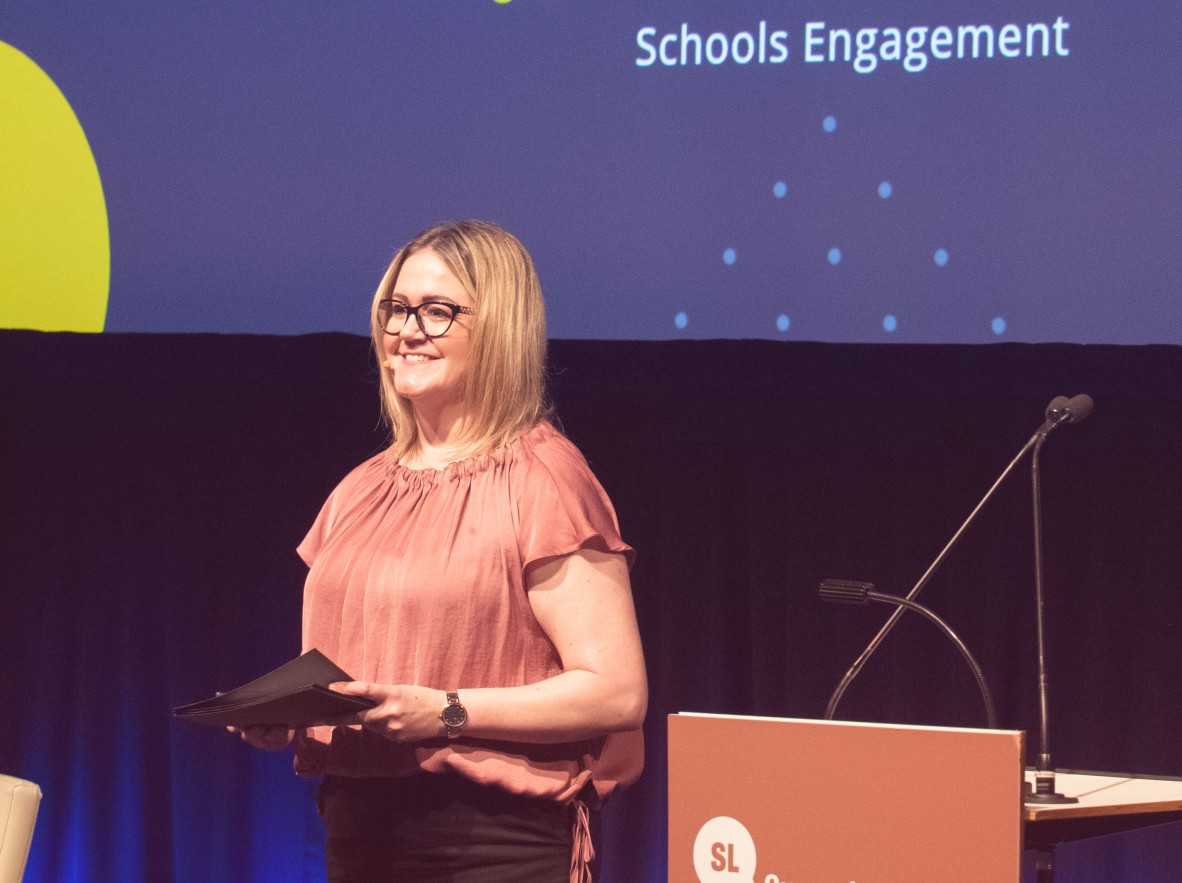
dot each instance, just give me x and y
(268, 738)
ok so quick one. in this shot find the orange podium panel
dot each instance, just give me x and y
(777, 800)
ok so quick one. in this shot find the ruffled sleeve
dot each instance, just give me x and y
(560, 507)
(341, 501)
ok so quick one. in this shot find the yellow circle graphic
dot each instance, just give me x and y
(55, 250)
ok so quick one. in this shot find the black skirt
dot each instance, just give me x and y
(435, 828)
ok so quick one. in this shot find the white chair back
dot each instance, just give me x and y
(19, 801)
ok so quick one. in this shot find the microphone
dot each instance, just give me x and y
(1064, 410)
(1060, 410)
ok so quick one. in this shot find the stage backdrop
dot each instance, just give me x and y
(153, 488)
(840, 171)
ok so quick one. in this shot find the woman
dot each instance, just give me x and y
(473, 578)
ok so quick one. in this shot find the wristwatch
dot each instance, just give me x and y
(454, 715)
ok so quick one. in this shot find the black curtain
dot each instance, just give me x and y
(153, 488)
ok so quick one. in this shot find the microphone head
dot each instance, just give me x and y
(845, 591)
(1078, 408)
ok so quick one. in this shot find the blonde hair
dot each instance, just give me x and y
(504, 385)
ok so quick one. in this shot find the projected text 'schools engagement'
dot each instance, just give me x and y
(865, 49)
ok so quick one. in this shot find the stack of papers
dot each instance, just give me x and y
(294, 695)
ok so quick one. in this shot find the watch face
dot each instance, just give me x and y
(455, 715)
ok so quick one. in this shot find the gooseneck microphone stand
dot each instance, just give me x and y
(1044, 773)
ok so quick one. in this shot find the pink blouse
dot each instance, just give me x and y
(418, 577)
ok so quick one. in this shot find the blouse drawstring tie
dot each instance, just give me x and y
(582, 850)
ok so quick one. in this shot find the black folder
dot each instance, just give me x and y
(294, 695)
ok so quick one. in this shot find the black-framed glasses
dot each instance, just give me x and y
(434, 316)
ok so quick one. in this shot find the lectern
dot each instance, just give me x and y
(775, 800)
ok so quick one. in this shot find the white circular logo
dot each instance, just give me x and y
(724, 852)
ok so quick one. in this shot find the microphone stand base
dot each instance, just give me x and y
(1031, 794)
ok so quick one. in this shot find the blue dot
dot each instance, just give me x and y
(835, 256)
(940, 257)
(783, 323)
(729, 256)
(780, 189)
(829, 124)
(889, 323)
(681, 320)
(999, 325)
(885, 189)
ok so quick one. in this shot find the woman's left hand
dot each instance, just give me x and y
(403, 713)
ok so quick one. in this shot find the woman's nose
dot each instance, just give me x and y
(410, 328)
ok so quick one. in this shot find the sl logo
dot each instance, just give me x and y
(724, 852)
